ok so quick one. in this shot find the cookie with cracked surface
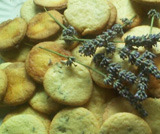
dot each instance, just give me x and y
(70, 85)
(20, 86)
(3, 85)
(11, 33)
(44, 103)
(23, 124)
(82, 15)
(125, 123)
(74, 120)
(52, 4)
(38, 60)
(29, 10)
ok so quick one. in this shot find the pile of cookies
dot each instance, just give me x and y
(52, 98)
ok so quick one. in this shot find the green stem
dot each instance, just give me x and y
(130, 19)
(67, 57)
(60, 24)
(152, 21)
(76, 39)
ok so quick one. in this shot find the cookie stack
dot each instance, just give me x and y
(50, 97)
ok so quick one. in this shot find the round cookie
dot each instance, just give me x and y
(3, 85)
(70, 85)
(98, 101)
(88, 17)
(29, 10)
(43, 103)
(38, 60)
(52, 4)
(28, 110)
(12, 32)
(118, 105)
(128, 10)
(23, 124)
(20, 87)
(74, 121)
(83, 59)
(42, 26)
(152, 106)
(125, 123)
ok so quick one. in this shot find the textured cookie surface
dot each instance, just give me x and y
(152, 106)
(29, 10)
(98, 101)
(12, 32)
(23, 124)
(74, 120)
(118, 105)
(3, 85)
(82, 15)
(38, 60)
(42, 26)
(68, 85)
(43, 103)
(52, 4)
(28, 110)
(20, 87)
(128, 10)
(125, 123)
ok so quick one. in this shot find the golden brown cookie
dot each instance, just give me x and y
(52, 4)
(3, 85)
(23, 124)
(98, 101)
(42, 26)
(125, 123)
(118, 105)
(44, 103)
(29, 10)
(128, 10)
(70, 85)
(74, 120)
(12, 32)
(38, 60)
(28, 110)
(20, 86)
(82, 15)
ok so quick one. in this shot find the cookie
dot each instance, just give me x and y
(113, 15)
(23, 124)
(125, 123)
(12, 32)
(17, 54)
(29, 10)
(52, 4)
(98, 101)
(118, 105)
(80, 15)
(83, 59)
(70, 85)
(74, 120)
(20, 86)
(42, 26)
(38, 61)
(3, 85)
(152, 106)
(128, 10)
(43, 103)
(28, 110)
